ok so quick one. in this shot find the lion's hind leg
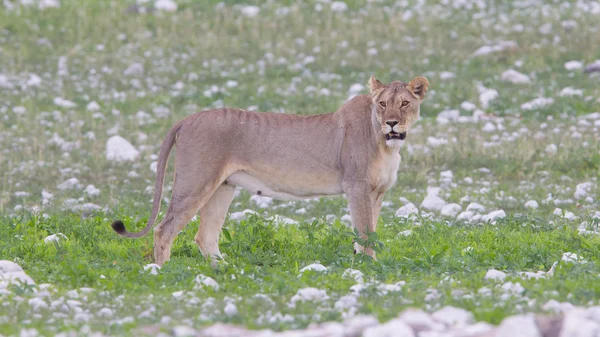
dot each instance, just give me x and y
(212, 217)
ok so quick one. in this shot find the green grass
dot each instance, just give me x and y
(186, 53)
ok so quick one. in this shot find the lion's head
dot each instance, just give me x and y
(396, 106)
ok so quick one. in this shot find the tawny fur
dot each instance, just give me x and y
(354, 150)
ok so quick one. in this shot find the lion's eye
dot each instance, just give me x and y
(382, 104)
(405, 103)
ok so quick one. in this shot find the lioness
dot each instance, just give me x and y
(354, 150)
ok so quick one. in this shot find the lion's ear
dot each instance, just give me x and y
(375, 85)
(418, 87)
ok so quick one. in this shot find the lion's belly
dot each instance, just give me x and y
(288, 186)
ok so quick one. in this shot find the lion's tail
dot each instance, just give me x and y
(163, 158)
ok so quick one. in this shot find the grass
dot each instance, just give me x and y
(303, 62)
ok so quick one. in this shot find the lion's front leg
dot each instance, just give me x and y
(361, 211)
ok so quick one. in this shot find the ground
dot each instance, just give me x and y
(502, 169)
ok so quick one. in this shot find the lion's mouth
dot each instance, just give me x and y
(395, 135)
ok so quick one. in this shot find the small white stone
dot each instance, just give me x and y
(432, 201)
(308, 295)
(465, 216)
(118, 149)
(135, 69)
(406, 210)
(451, 210)
(419, 320)
(407, 232)
(69, 184)
(495, 275)
(475, 207)
(538, 103)
(54, 238)
(573, 65)
(515, 77)
(339, 6)
(576, 324)
(493, 216)
(551, 149)
(522, 326)
(153, 267)
(183, 331)
(357, 275)
(392, 328)
(205, 281)
(166, 5)
(572, 258)
(531, 204)
(250, 11)
(452, 316)
(230, 309)
(314, 267)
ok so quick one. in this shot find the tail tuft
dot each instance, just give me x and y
(118, 226)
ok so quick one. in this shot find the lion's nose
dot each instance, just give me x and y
(391, 123)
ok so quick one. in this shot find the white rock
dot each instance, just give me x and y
(551, 149)
(203, 281)
(165, 5)
(241, 215)
(184, 331)
(452, 316)
(495, 48)
(583, 190)
(346, 302)
(339, 6)
(515, 77)
(486, 96)
(451, 210)
(493, 216)
(392, 328)
(69, 184)
(105, 312)
(557, 307)
(495, 275)
(573, 65)
(64, 103)
(407, 232)
(465, 216)
(230, 309)
(37, 303)
(572, 258)
(570, 92)
(308, 295)
(522, 326)
(357, 275)
(250, 11)
(448, 116)
(406, 210)
(475, 207)
(135, 69)
(432, 201)
(468, 106)
(54, 238)
(118, 149)
(261, 202)
(419, 320)
(488, 127)
(12, 273)
(92, 106)
(531, 204)
(153, 267)
(314, 267)
(576, 324)
(91, 191)
(538, 103)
